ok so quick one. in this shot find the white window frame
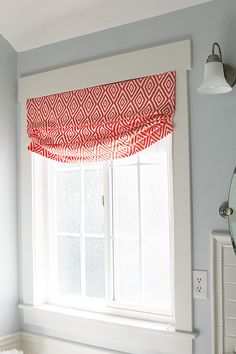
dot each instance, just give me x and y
(127, 334)
(108, 304)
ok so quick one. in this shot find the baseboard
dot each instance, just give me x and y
(11, 341)
(35, 344)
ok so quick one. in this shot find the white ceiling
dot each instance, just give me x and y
(28, 24)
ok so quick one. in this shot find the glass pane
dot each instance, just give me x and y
(127, 271)
(69, 265)
(64, 166)
(156, 153)
(156, 273)
(126, 160)
(95, 271)
(68, 201)
(154, 201)
(125, 187)
(94, 210)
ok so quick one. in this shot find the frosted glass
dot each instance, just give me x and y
(95, 271)
(69, 265)
(156, 153)
(125, 187)
(68, 201)
(154, 201)
(127, 274)
(156, 273)
(94, 210)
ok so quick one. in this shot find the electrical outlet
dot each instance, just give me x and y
(200, 284)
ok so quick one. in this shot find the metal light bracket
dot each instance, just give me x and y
(225, 211)
(230, 74)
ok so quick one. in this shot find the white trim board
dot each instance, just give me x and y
(223, 258)
(151, 61)
(32, 343)
(38, 344)
(11, 341)
(125, 336)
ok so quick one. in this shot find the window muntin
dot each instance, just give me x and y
(128, 265)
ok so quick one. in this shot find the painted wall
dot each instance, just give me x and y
(213, 119)
(9, 297)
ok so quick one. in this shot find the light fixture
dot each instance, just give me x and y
(218, 77)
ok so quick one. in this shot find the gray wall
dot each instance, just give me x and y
(213, 119)
(9, 297)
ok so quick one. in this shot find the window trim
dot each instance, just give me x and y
(175, 56)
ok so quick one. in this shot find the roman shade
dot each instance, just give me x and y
(103, 122)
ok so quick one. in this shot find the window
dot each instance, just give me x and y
(122, 329)
(77, 247)
(109, 232)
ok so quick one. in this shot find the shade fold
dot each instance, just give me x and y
(104, 122)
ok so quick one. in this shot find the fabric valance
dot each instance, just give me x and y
(103, 122)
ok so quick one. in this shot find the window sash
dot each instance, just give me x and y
(110, 254)
(109, 301)
(53, 232)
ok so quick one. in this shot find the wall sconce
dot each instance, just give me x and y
(218, 77)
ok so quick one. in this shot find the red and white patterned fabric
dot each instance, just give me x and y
(104, 122)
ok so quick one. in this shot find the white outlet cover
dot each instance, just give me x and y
(200, 284)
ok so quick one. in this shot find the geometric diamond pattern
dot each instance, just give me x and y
(103, 122)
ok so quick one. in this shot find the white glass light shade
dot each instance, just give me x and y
(214, 81)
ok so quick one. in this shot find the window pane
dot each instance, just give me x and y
(156, 153)
(127, 271)
(69, 265)
(142, 270)
(125, 201)
(68, 201)
(156, 273)
(94, 210)
(125, 161)
(154, 201)
(95, 272)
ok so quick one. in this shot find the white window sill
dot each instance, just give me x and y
(107, 331)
